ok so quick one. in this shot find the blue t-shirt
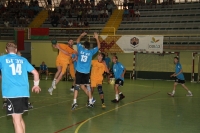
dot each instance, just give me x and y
(118, 69)
(178, 68)
(74, 62)
(107, 60)
(84, 58)
(14, 70)
(43, 67)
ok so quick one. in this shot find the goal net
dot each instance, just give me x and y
(154, 66)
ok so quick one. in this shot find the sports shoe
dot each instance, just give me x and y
(4, 105)
(115, 101)
(30, 106)
(170, 94)
(121, 96)
(74, 105)
(46, 78)
(189, 94)
(72, 89)
(93, 101)
(103, 105)
(90, 105)
(54, 84)
(50, 90)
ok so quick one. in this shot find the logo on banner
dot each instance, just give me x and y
(134, 42)
(154, 44)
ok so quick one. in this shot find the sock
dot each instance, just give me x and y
(54, 79)
(72, 87)
(90, 101)
(173, 92)
(117, 97)
(120, 93)
(74, 100)
(102, 100)
(189, 92)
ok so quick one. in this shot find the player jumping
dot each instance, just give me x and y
(83, 68)
(179, 78)
(62, 61)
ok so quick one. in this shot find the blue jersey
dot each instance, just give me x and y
(178, 68)
(14, 70)
(118, 69)
(43, 67)
(84, 58)
(107, 60)
(74, 62)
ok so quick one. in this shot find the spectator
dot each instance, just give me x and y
(36, 2)
(132, 14)
(137, 14)
(110, 8)
(36, 9)
(62, 3)
(89, 13)
(55, 20)
(79, 14)
(104, 14)
(95, 14)
(43, 69)
(149, 2)
(64, 24)
(49, 4)
(125, 4)
(15, 21)
(6, 24)
(126, 14)
(67, 8)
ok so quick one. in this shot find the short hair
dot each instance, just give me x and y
(86, 44)
(103, 56)
(70, 39)
(176, 57)
(10, 46)
(115, 57)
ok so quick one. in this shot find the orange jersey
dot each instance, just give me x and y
(62, 56)
(98, 69)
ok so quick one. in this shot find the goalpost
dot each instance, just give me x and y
(153, 65)
(195, 75)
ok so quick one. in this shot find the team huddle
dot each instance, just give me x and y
(85, 77)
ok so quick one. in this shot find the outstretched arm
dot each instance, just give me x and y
(96, 36)
(81, 36)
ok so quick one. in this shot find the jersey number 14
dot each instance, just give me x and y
(16, 69)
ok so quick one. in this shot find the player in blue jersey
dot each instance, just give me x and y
(43, 69)
(15, 85)
(85, 55)
(179, 78)
(119, 71)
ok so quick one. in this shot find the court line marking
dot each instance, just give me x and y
(44, 106)
(135, 101)
(69, 126)
(77, 129)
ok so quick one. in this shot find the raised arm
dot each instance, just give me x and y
(96, 36)
(80, 37)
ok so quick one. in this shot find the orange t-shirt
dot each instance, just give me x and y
(62, 56)
(97, 70)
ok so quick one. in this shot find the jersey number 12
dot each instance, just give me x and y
(16, 69)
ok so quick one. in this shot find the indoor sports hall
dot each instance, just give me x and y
(146, 36)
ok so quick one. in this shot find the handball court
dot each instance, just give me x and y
(146, 109)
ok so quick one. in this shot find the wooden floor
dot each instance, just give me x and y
(146, 109)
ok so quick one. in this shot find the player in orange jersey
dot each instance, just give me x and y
(96, 78)
(62, 61)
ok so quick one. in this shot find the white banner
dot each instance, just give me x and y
(146, 43)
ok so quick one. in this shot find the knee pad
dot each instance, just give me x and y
(100, 90)
(88, 87)
(76, 87)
